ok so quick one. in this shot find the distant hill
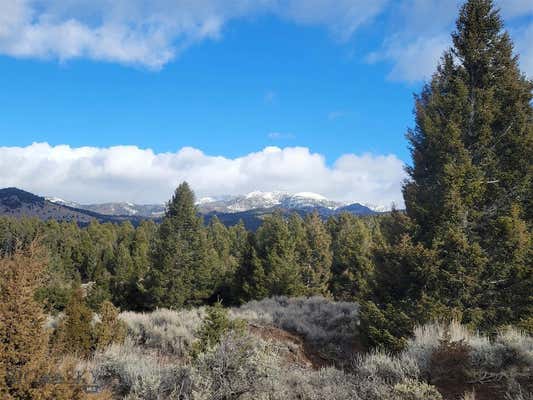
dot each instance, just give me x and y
(250, 208)
(19, 203)
(254, 201)
(230, 210)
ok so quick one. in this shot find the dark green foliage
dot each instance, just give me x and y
(250, 279)
(463, 250)
(470, 189)
(316, 256)
(352, 258)
(276, 246)
(227, 252)
(215, 325)
(183, 268)
(386, 327)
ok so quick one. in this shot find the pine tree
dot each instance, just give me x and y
(239, 239)
(319, 257)
(28, 370)
(250, 279)
(226, 263)
(471, 172)
(23, 339)
(183, 264)
(110, 329)
(276, 248)
(75, 334)
(141, 256)
(352, 266)
(124, 277)
(216, 324)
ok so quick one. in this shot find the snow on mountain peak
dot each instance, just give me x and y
(55, 200)
(267, 196)
(377, 208)
(205, 200)
(229, 204)
(60, 201)
(311, 196)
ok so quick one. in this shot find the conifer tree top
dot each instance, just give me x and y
(182, 202)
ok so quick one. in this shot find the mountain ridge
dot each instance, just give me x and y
(251, 209)
(256, 200)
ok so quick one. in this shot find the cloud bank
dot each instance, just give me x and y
(423, 29)
(129, 173)
(152, 32)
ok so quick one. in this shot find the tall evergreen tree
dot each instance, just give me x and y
(472, 169)
(319, 256)
(250, 280)
(23, 339)
(75, 334)
(352, 258)
(277, 250)
(183, 265)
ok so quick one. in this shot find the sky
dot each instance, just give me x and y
(120, 100)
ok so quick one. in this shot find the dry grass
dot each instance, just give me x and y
(153, 363)
(315, 318)
(171, 332)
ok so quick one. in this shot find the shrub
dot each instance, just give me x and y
(315, 318)
(427, 339)
(384, 328)
(140, 375)
(75, 332)
(305, 384)
(508, 358)
(443, 350)
(109, 329)
(526, 325)
(168, 331)
(235, 368)
(450, 362)
(415, 390)
(216, 324)
(385, 367)
(520, 395)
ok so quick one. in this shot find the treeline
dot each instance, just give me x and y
(183, 262)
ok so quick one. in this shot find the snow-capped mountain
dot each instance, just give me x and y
(257, 200)
(62, 202)
(264, 200)
(376, 208)
(121, 208)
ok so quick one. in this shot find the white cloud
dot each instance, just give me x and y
(525, 48)
(128, 173)
(413, 61)
(423, 32)
(516, 8)
(152, 32)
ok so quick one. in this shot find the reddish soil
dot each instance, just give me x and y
(293, 347)
(455, 391)
(297, 351)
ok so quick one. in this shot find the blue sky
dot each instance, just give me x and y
(264, 82)
(226, 79)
